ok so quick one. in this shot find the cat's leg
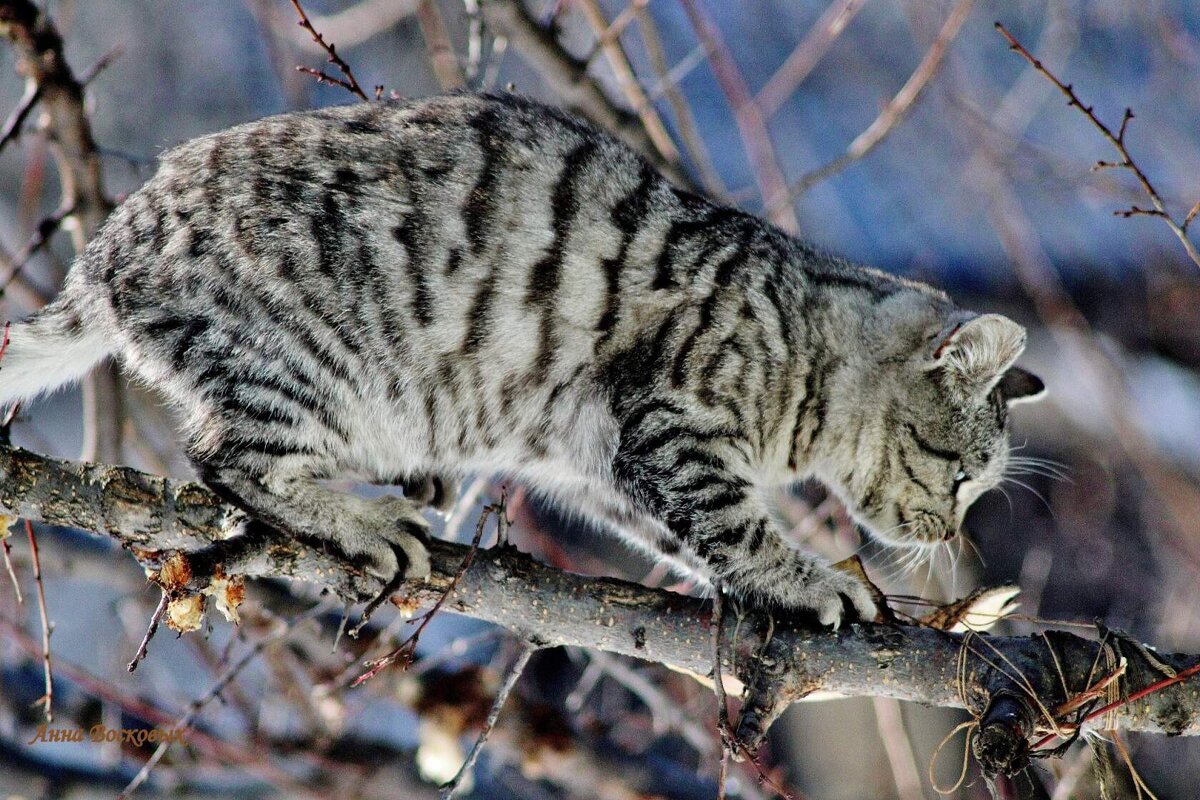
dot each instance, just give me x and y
(385, 536)
(638, 529)
(695, 483)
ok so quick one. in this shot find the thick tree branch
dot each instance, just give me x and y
(1011, 684)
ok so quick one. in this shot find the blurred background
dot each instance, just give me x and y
(900, 133)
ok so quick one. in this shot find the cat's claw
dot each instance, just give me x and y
(843, 587)
(395, 548)
(832, 595)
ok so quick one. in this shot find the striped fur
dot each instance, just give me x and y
(406, 292)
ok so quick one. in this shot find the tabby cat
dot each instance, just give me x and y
(404, 292)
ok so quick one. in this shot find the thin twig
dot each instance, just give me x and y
(12, 575)
(619, 62)
(104, 63)
(808, 53)
(184, 723)
(6, 533)
(723, 729)
(150, 631)
(349, 83)
(672, 78)
(665, 710)
(764, 160)
(404, 653)
(41, 237)
(47, 628)
(896, 109)
(357, 23)
(567, 75)
(612, 32)
(1117, 140)
(510, 681)
(685, 122)
(1158, 686)
(12, 125)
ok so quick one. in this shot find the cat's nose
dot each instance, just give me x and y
(950, 534)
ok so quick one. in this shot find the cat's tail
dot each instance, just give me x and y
(54, 347)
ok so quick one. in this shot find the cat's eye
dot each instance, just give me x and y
(960, 478)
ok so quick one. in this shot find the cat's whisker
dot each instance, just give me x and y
(1043, 460)
(974, 548)
(914, 559)
(1039, 466)
(1032, 491)
(1023, 470)
(1008, 499)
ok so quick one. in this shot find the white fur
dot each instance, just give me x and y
(41, 357)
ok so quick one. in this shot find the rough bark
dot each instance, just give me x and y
(1003, 681)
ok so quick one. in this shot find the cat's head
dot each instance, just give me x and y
(934, 434)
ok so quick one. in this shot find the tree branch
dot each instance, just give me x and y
(40, 59)
(896, 109)
(83, 202)
(1018, 688)
(568, 77)
(1117, 140)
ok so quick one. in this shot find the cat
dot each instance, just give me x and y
(403, 292)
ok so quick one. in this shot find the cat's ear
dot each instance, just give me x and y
(974, 354)
(1021, 386)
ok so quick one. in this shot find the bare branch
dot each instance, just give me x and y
(39, 49)
(1037, 678)
(750, 122)
(808, 53)
(42, 235)
(184, 723)
(47, 627)
(12, 125)
(510, 681)
(347, 81)
(685, 122)
(40, 57)
(151, 629)
(896, 109)
(358, 23)
(567, 76)
(12, 574)
(610, 44)
(437, 43)
(1117, 140)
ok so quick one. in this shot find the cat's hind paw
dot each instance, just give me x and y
(390, 548)
(431, 490)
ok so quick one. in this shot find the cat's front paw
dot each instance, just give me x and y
(834, 593)
(829, 594)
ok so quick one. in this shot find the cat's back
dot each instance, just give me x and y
(469, 245)
(426, 198)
